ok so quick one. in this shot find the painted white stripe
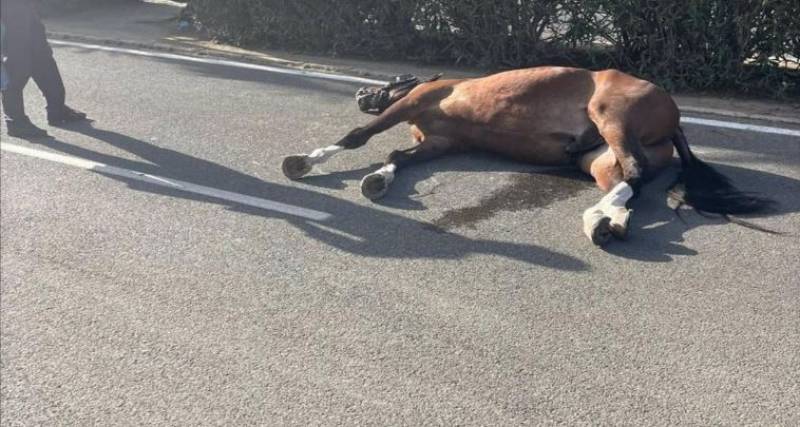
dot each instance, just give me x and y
(362, 80)
(225, 62)
(168, 182)
(740, 126)
(738, 114)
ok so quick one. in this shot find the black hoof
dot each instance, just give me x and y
(295, 167)
(602, 233)
(619, 225)
(374, 186)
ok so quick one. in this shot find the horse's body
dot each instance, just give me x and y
(614, 126)
(504, 112)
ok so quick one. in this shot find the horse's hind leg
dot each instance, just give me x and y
(376, 184)
(296, 166)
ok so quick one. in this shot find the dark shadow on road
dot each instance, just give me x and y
(656, 233)
(353, 228)
(336, 180)
(530, 186)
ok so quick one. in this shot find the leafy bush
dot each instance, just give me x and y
(748, 45)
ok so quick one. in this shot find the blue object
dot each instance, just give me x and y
(3, 78)
(3, 72)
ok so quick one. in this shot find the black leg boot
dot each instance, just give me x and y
(64, 116)
(23, 128)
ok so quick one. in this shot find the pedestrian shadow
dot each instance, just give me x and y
(353, 228)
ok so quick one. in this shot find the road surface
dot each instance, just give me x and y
(468, 296)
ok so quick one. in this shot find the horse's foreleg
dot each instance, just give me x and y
(376, 184)
(628, 153)
(296, 166)
(610, 216)
(618, 169)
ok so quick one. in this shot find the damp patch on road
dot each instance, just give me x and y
(525, 191)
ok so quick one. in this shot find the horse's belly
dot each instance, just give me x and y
(534, 133)
(539, 149)
(532, 138)
(544, 146)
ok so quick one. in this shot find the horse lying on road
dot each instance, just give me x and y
(619, 129)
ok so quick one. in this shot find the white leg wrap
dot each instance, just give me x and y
(612, 205)
(387, 172)
(321, 155)
(615, 208)
(617, 197)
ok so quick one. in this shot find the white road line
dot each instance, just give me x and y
(212, 61)
(362, 80)
(739, 114)
(168, 182)
(740, 126)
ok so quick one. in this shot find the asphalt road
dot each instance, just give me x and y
(468, 296)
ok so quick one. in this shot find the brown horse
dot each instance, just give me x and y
(613, 126)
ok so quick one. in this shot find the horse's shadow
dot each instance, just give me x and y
(405, 192)
(353, 228)
(656, 230)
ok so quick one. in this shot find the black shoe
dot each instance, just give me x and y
(65, 116)
(24, 129)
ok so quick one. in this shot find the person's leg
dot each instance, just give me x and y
(17, 123)
(13, 102)
(48, 78)
(19, 66)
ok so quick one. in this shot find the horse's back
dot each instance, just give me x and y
(532, 114)
(529, 114)
(516, 97)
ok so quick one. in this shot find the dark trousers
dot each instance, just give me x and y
(28, 55)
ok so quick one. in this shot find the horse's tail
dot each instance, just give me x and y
(709, 192)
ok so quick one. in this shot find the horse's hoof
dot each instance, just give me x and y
(601, 232)
(619, 224)
(374, 186)
(295, 167)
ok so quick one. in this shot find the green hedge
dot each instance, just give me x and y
(746, 45)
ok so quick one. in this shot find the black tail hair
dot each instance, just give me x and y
(709, 192)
